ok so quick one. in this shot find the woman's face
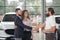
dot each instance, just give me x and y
(26, 14)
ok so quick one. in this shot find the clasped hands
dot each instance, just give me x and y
(41, 25)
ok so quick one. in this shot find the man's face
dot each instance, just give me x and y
(19, 12)
(47, 13)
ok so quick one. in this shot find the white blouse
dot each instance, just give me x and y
(28, 23)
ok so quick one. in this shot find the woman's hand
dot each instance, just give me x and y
(35, 28)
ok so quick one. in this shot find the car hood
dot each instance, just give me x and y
(7, 25)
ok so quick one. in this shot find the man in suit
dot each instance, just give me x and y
(19, 30)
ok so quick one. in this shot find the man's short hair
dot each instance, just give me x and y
(17, 9)
(51, 10)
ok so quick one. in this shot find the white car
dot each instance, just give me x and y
(7, 23)
(57, 19)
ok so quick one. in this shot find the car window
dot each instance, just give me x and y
(57, 20)
(9, 17)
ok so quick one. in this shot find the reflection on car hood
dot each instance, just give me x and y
(7, 25)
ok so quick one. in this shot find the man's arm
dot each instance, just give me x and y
(52, 29)
(19, 23)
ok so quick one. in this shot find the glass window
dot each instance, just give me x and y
(2, 10)
(1, 2)
(54, 4)
(33, 2)
(14, 3)
(57, 20)
(9, 17)
(11, 2)
(57, 10)
(10, 9)
(34, 9)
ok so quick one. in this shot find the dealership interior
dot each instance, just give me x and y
(36, 9)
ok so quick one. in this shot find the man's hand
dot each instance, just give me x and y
(44, 31)
(41, 25)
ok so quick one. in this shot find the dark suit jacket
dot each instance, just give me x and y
(19, 31)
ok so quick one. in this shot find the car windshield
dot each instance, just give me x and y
(9, 17)
(57, 20)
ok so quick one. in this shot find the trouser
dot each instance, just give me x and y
(27, 35)
(18, 38)
(50, 36)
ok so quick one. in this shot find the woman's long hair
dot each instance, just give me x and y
(23, 12)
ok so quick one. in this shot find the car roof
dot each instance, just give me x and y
(57, 15)
(10, 13)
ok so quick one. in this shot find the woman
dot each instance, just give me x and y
(26, 20)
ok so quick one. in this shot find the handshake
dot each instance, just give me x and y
(37, 27)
